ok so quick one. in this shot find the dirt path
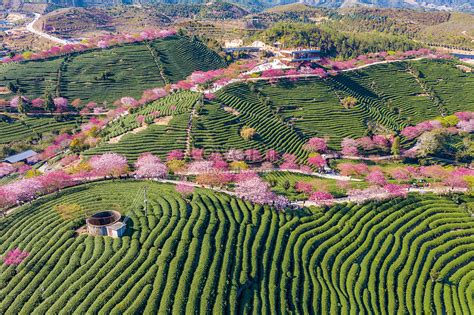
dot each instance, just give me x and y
(30, 27)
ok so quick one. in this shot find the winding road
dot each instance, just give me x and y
(30, 27)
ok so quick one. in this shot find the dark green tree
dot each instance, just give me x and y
(48, 102)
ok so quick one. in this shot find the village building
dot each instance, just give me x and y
(300, 55)
(20, 157)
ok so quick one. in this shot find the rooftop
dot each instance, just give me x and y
(20, 156)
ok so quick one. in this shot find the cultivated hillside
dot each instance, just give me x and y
(221, 254)
(285, 114)
(107, 74)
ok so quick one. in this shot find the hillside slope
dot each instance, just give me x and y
(220, 254)
(285, 114)
(108, 74)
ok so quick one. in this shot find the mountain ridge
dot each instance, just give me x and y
(459, 5)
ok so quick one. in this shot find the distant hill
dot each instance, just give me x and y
(292, 7)
(460, 5)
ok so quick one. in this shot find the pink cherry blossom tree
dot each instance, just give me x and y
(220, 165)
(349, 147)
(317, 161)
(395, 190)
(185, 190)
(353, 169)
(272, 156)
(289, 162)
(197, 154)
(304, 187)
(235, 155)
(376, 177)
(61, 104)
(411, 132)
(6, 169)
(400, 174)
(455, 182)
(109, 164)
(129, 101)
(198, 167)
(382, 142)
(175, 155)
(252, 155)
(54, 181)
(150, 166)
(366, 143)
(23, 190)
(37, 103)
(257, 191)
(321, 197)
(316, 145)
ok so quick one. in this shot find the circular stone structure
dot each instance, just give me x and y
(97, 223)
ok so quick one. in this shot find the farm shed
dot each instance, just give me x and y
(20, 157)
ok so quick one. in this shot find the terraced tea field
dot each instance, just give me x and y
(108, 74)
(389, 98)
(287, 113)
(22, 129)
(219, 254)
(162, 134)
(277, 179)
(157, 139)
